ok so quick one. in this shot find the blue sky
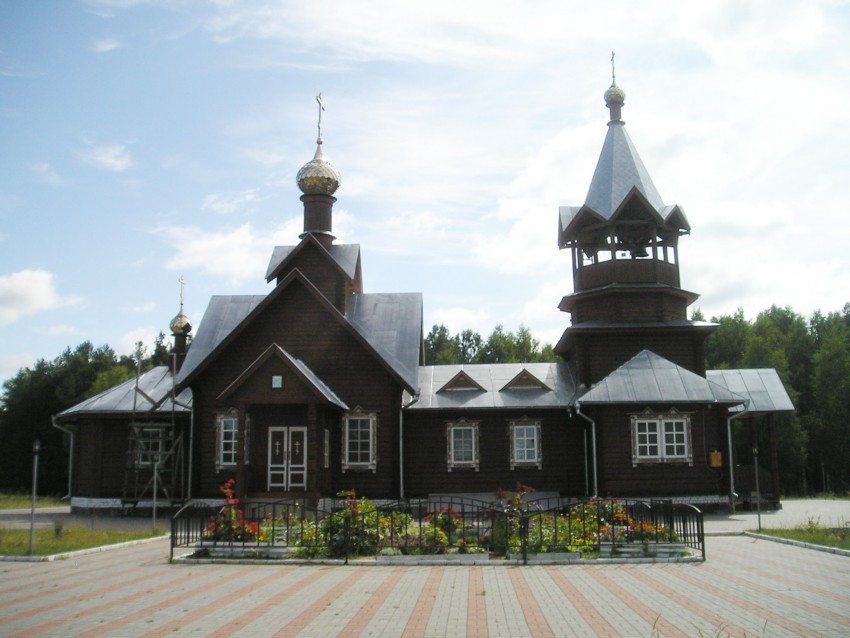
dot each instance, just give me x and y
(145, 140)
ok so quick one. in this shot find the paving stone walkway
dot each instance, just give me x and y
(747, 587)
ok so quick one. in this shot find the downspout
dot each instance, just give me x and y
(70, 433)
(191, 441)
(592, 445)
(401, 441)
(732, 495)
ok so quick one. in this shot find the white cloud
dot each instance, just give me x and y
(46, 173)
(127, 343)
(28, 292)
(457, 319)
(232, 202)
(61, 329)
(11, 363)
(115, 157)
(106, 45)
(240, 254)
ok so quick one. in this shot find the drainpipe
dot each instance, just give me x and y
(732, 495)
(401, 441)
(70, 433)
(578, 412)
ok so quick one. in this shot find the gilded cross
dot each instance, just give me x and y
(613, 77)
(297, 447)
(321, 108)
(182, 282)
(277, 448)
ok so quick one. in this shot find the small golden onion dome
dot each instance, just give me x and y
(318, 176)
(615, 95)
(180, 325)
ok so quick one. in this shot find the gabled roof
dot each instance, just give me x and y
(392, 324)
(345, 256)
(650, 378)
(227, 317)
(301, 370)
(762, 387)
(461, 382)
(152, 398)
(494, 390)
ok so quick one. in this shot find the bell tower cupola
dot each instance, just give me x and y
(318, 180)
(624, 248)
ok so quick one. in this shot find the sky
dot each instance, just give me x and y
(148, 140)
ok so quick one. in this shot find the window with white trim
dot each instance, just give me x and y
(359, 441)
(525, 443)
(462, 444)
(227, 436)
(661, 438)
(148, 446)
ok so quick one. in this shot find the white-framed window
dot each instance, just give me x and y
(526, 449)
(359, 440)
(227, 437)
(661, 438)
(462, 444)
(148, 446)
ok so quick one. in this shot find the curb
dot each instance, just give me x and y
(788, 541)
(80, 552)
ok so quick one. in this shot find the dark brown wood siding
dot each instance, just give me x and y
(618, 476)
(627, 307)
(100, 452)
(300, 324)
(425, 454)
(320, 269)
(600, 354)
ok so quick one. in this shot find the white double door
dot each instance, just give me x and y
(287, 458)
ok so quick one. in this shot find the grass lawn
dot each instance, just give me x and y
(16, 542)
(24, 501)
(813, 533)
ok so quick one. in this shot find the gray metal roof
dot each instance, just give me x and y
(389, 323)
(650, 378)
(154, 398)
(223, 315)
(492, 379)
(618, 170)
(392, 324)
(345, 255)
(762, 387)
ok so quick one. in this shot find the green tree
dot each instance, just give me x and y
(724, 349)
(831, 419)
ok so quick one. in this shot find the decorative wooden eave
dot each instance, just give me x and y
(524, 380)
(351, 274)
(461, 381)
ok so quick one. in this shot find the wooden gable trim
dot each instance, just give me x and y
(311, 240)
(291, 363)
(524, 380)
(461, 381)
(643, 202)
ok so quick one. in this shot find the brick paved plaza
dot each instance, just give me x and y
(748, 587)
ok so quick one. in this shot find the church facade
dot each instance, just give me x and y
(319, 387)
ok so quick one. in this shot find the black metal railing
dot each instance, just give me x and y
(515, 527)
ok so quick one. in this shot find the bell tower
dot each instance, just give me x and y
(624, 246)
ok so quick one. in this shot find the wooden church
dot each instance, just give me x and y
(319, 387)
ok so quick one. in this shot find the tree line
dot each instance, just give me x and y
(34, 395)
